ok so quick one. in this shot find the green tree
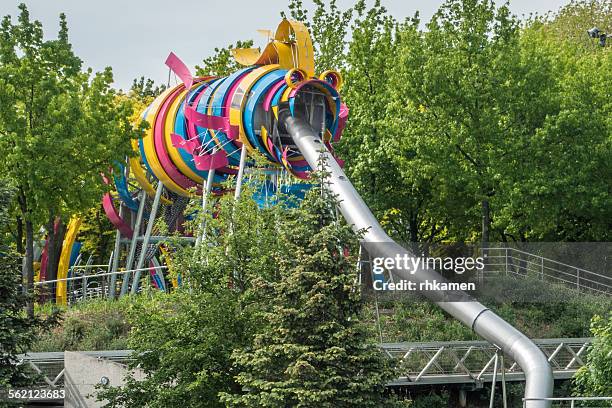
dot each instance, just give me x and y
(313, 349)
(570, 24)
(18, 332)
(565, 193)
(96, 234)
(61, 127)
(184, 341)
(145, 88)
(366, 92)
(7, 195)
(595, 378)
(462, 112)
(559, 191)
(329, 28)
(222, 62)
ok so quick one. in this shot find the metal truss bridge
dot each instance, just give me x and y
(435, 363)
(474, 362)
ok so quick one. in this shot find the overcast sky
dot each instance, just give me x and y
(135, 36)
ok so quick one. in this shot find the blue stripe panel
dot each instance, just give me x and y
(258, 92)
(218, 102)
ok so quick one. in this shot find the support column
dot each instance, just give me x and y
(503, 380)
(147, 236)
(115, 260)
(206, 189)
(494, 381)
(243, 154)
(134, 243)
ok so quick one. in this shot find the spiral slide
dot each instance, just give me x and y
(203, 129)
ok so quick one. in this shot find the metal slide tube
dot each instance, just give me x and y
(513, 343)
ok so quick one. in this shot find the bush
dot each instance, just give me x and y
(89, 326)
(595, 378)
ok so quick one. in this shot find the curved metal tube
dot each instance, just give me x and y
(513, 343)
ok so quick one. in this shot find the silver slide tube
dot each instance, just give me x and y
(513, 343)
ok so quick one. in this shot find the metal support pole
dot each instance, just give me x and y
(238, 190)
(145, 242)
(494, 380)
(506, 261)
(133, 244)
(243, 154)
(116, 255)
(207, 187)
(83, 286)
(503, 380)
(429, 364)
(105, 282)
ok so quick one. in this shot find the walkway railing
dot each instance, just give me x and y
(89, 282)
(569, 401)
(515, 262)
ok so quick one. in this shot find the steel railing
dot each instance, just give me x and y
(515, 262)
(571, 400)
(90, 283)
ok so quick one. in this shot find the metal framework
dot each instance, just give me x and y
(48, 367)
(435, 363)
(473, 362)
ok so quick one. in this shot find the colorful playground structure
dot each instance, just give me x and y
(207, 130)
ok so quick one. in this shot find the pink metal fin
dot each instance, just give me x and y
(180, 69)
(206, 121)
(210, 161)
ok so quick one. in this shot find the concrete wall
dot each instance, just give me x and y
(82, 374)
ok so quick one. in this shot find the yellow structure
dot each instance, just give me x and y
(64, 261)
(290, 48)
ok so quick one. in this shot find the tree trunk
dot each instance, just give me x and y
(486, 226)
(19, 238)
(55, 229)
(414, 228)
(28, 267)
(486, 223)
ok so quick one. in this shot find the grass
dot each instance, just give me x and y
(86, 326)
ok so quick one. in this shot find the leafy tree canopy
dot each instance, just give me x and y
(594, 378)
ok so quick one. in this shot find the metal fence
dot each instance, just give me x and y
(87, 282)
(583, 402)
(515, 262)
